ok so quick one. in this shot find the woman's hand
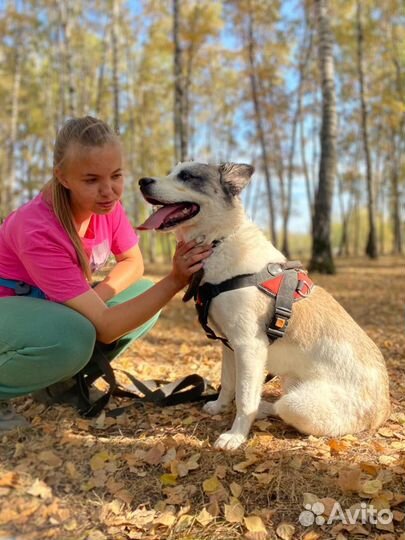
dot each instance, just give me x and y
(187, 260)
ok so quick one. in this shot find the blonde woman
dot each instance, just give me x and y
(50, 315)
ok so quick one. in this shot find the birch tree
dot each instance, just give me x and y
(321, 258)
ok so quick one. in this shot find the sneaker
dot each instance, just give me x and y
(9, 419)
(64, 392)
(55, 393)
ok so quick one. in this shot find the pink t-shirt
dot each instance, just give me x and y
(35, 248)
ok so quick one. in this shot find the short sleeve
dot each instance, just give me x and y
(53, 267)
(124, 236)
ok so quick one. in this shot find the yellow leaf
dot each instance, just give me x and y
(236, 489)
(71, 525)
(168, 479)
(167, 519)
(285, 531)
(40, 489)
(204, 517)
(385, 432)
(184, 522)
(254, 524)
(309, 498)
(372, 487)
(234, 512)
(243, 465)
(311, 535)
(97, 462)
(211, 485)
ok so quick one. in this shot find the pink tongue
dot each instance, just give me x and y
(157, 218)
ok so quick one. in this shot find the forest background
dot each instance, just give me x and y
(221, 81)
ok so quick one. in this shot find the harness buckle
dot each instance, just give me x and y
(22, 288)
(279, 324)
(302, 283)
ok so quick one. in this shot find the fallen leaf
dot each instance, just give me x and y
(285, 531)
(211, 485)
(349, 479)
(254, 524)
(204, 517)
(40, 489)
(50, 458)
(236, 489)
(155, 454)
(10, 479)
(98, 461)
(166, 518)
(371, 487)
(337, 446)
(184, 522)
(243, 465)
(124, 495)
(312, 535)
(168, 479)
(234, 512)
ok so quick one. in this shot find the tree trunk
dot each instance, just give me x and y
(308, 184)
(395, 206)
(322, 259)
(100, 78)
(8, 188)
(259, 128)
(180, 141)
(115, 77)
(371, 248)
(67, 82)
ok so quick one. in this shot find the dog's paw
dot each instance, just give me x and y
(229, 441)
(215, 407)
(265, 409)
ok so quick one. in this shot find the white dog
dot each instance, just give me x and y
(334, 379)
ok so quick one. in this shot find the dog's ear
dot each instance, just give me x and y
(235, 176)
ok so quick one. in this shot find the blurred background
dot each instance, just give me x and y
(311, 92)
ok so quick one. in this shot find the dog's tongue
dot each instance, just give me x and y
(157, 218)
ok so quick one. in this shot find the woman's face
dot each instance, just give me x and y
(94, 177)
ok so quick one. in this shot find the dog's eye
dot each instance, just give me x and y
(185, 175)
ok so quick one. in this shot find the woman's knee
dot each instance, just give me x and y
(55, 345)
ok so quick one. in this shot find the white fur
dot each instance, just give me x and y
(333, 383)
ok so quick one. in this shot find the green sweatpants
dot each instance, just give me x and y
(43, 342)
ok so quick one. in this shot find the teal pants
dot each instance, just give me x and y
(43, 342)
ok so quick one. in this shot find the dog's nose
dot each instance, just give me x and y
(144, 182)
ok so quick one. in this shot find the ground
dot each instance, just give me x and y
(154, 474)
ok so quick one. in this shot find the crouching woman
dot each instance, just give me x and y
(50, 314)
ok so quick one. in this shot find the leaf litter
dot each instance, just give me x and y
(154, 474)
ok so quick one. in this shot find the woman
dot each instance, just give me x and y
(50, 315)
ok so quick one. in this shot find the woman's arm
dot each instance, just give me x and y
(128, 270)
(112, 323)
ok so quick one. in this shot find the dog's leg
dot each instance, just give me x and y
(227, 392)
(250, 363)
(266, 409)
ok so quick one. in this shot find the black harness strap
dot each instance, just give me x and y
(204, 294)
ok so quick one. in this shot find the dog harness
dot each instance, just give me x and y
(285, 282)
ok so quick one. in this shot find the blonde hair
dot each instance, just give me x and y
(85, 131)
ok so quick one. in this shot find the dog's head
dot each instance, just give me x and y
(192, 192)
